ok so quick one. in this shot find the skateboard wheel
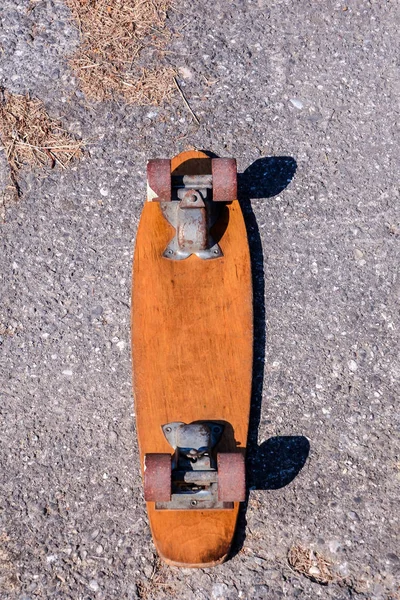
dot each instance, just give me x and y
(224, 179)
(157, 477)
(159, 180)
(231, 477)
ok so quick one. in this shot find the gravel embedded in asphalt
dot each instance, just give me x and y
(304, 95)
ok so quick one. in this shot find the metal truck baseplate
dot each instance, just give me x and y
(192, 218)
(194, 472)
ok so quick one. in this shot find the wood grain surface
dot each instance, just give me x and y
(192, 358)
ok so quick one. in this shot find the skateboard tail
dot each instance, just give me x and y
(202, 539)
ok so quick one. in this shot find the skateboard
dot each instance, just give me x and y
(192, 345)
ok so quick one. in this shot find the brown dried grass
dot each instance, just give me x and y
(31, 138)
(311, 564)
(113, 35)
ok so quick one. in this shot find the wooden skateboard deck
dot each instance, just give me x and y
(192, 339)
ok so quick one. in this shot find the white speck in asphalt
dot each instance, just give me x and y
(94, 585)
(296, 103)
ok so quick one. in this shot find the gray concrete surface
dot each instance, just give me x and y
(308, 81)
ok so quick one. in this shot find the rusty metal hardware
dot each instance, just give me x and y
(192, 220)
(159, 180)
(192, 217)
(194, 467)
(191, 204)
(157, 468)
(224, 179)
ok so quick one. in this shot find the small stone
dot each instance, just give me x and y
(334, 546)
(354, 516)
(185, 73)
(314, 571)
(358, 254)
(112, 437)
(352, 366)
(393, 557)
(219, 591)
(50, 558)
(296, 103)
(343, 569)
(94, 585)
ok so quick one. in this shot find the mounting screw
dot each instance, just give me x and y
(193, 502)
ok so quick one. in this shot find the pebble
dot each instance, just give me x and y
(352, 366)
(94, 585)
(185, 73)
(296, 103)
(50, 558)
(219, 591)
(152, 114)
(334, 546)
(343, 569)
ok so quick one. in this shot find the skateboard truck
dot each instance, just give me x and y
(191, 204)
(194, 477)
(192, 219)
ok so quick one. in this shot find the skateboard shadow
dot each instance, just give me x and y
(277, 461)
(266, 177)
(273, 465)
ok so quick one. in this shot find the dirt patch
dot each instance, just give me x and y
(8, 572)
(146, 590)
(31, 138)
(114, 34)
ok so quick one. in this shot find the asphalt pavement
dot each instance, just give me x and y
(305, 96)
